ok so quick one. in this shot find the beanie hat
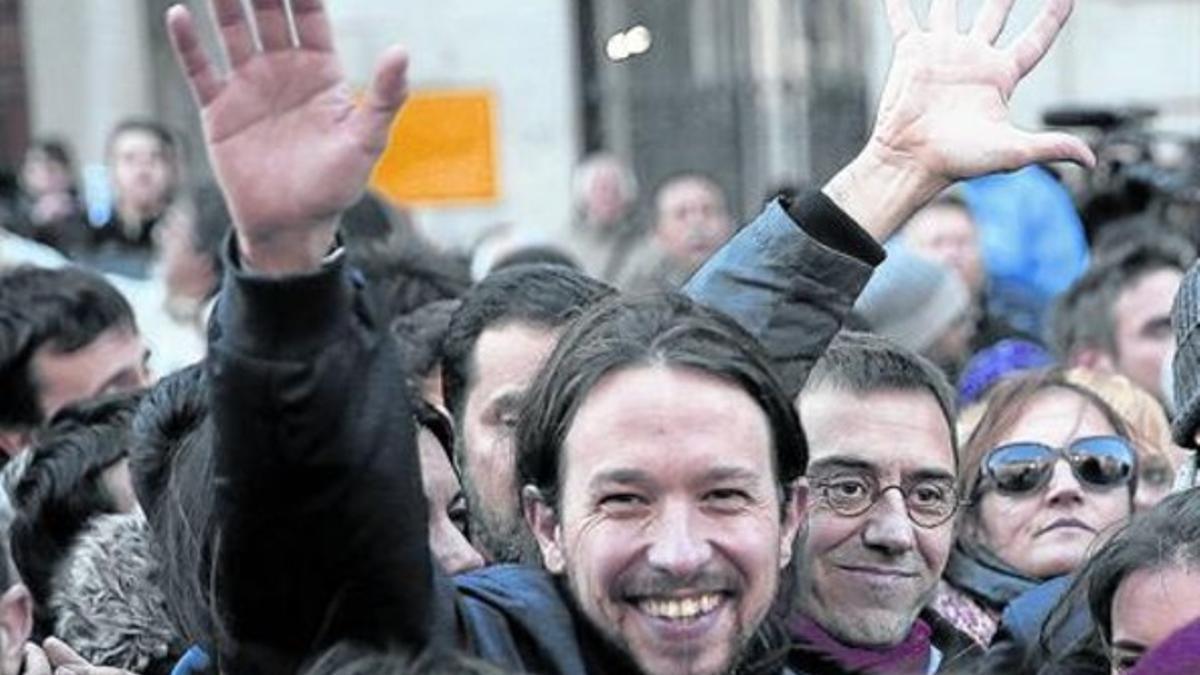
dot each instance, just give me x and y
(911, 300)
(1185, 321)
(990, 365)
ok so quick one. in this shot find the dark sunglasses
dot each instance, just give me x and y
(1098, 462)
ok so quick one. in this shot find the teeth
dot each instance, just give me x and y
(681, 609)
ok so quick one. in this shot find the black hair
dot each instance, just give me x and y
(1083, 317)
(60, 309)
(406, 279)
(171, 463)
(56, 150)
(61, 488)
(862, 363)
(668, 329)
(536, 255)
(147, 126)
(421, 334)
(543, 295)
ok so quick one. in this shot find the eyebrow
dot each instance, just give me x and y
(622, 476)
(854, 464)
(841, 463)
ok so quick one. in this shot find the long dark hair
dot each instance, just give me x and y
(665, 329)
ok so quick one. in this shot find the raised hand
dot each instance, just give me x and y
(289, 146)
(944, 113)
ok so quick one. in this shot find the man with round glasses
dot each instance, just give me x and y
(880, 523)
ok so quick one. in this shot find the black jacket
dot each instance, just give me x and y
(322, 516)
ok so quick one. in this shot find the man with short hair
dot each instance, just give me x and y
(691, 221)
(142, 158)
(1117, 316)
(65, 335)
(880, 526)
(499, 336)
(658, 449)
(604, 191)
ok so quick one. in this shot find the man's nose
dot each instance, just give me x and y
(888, 527)
(679, 547)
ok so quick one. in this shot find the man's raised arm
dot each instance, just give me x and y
(943, 117)
(321, 514)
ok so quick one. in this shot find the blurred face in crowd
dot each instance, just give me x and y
(668, 526)
(142, 168)
(507, 358)
(947, 235)
(1149, 605)
(693, 220)
(1142, 322)
(1047, 532)
(42, 174)
(114, 362)
(447, 508)
(605, 197)
(865, 578)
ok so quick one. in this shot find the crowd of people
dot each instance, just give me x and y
(265, 426)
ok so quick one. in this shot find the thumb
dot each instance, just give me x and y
(60, 654)
(1053, 146)
(388, 91)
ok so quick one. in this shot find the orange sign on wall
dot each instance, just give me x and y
(442, 150)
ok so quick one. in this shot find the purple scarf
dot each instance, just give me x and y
(910, 657)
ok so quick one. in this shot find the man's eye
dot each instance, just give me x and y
(509, 420)
(929, 494)
(727, 498)
(848, 487)
(620, 503)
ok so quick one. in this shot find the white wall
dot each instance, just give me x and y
(1112, 52)
(524, 52)
(86, 66)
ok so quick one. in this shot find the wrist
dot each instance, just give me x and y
(881, 191)
(287, 253)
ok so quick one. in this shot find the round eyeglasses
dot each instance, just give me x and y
(929, 503)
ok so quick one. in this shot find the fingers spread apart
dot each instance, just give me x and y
(1033, 44)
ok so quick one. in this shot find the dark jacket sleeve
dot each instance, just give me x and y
(789, 278)
(321, 515)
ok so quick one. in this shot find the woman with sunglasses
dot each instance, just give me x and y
(1047, 469)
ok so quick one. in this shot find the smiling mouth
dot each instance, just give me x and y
(680, 609)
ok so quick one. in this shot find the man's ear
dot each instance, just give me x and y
(543, 522)
(12, 441)
(795, 513)
(16, 625)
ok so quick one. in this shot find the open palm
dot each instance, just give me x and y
(289, 146)
(946, 102)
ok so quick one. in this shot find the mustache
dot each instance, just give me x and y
(656, 582)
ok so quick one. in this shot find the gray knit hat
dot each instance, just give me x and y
(911, 300)
(1185, 321)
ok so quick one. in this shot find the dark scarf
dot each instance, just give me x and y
(815, 650)
(985, 577)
